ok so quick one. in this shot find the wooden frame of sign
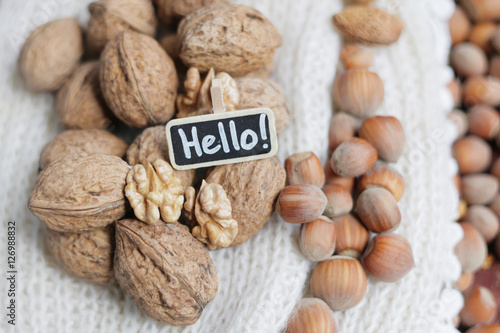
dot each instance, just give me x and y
(221, 138)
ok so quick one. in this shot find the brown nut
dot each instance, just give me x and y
(464, 282)
(301, 203)
(484, 220)
(339, 200)
(234, 39)
(388, 257)
(378, 210)
(479, 188)
(317, 239)
(142, 90)
(484, 121)
(468, 59)
(50, 54)
(472, 154)
(88, 254)
(358, 91)
(341, 282)
(82, 141)
(481, 35)
(494, 69)
(352, 236)
(481, 10)
(172, 11)
(456, 91)
(495, 168)
(304, 168)
(385, 134)
(482, 90)
(353, 56)
(368, 25)
(332, 178)
(383, 176)
(342, 128)
(80, 192)
(495, 205)
(493, 328)
(79, 102)
(353, 157)
(108, 18)
(459, 25)
(150, 146)
(166, 272)
(461, 121)
(170, 44)
(471, 251)
(480, 307)
(311, 315)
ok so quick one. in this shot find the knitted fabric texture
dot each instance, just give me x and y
(261, 280)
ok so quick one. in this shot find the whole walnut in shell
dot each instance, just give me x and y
(88, 254)
(261, 92)
(79, 102)
(234, 39)
(110, 17)
(166, 272)
(138, 80)
(82, 141)
(80, 192)
(50, 54)
(150, 146)
(172, 11)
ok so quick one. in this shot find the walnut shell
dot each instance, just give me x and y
(80, 192)
(164, 270)
(88, 254)
(110, 17)
(252, 187)
(172, 11)
(150, 146)
(50, 54)
(260, 92)
(234, 39)
(82, 141)
(79, 102)
(138, 80)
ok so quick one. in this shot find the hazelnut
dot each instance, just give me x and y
(388, 257)
(482, 90)
(378, 210)
(456, 91)
(461, 121)
(353, 56)
(495, 168)
(484, 220)
(494, 69)
(341, 282)
(481, 35)
(383, 176)
(317, 239)
(342, 127)
(472, 153)
(301, 203)
(480, 307)
(50, 54)
(339, 200)
(332, 178)
(493, 328)
(353, 157)
(468, 59)
(311, 315)
(481, 10)
(172, 11)
(358, 91)
(484, 121)
(471, 251)
(495, 205)
(304, 168)
(386, 134)
(464, 282)
(479, 188)
(352, 236)
(459, 26)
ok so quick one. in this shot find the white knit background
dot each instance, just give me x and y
(261, 280)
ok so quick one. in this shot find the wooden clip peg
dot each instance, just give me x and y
(216, 94)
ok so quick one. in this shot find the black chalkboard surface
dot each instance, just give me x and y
(221, 138)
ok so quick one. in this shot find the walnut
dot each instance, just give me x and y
(110, 17)
(261, 92)
(78, 141)
(166, 272)
(152, 145)
(152, 192)
(50, 54)
(172, 11)
(170, 44)
(212, 210)
(197, 99)
(79, 102)
(234, 39)
(80, 192)
(88, 254)
(138, 80)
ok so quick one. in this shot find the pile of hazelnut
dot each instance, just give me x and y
(475, 57)
(120, 214)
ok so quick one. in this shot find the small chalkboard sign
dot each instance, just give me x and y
(221, 138)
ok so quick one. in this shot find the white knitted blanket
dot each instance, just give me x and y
(261, 280)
